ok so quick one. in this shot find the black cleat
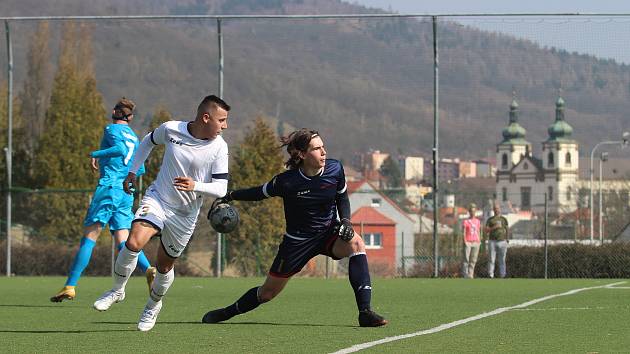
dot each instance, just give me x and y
(216, 316)
(369, 318)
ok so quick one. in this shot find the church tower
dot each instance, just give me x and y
(510, 151)
(514, 147)
(560, 164)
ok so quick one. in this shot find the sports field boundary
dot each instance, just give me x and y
(445, 326)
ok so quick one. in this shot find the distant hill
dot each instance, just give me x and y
(362, 83)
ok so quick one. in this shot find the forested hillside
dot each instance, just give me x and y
(362, 83)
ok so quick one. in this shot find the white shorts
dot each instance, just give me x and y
(176, 229)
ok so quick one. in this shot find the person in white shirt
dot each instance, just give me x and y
(195, 164)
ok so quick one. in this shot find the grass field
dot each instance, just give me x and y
(319, 316)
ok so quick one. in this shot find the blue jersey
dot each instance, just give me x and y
(309, 202)
(118, 146)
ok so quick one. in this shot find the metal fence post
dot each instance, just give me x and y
(9, 148)
(436, 116)
(220, 42)
(546, 237)
(219, 252)
(402, 254)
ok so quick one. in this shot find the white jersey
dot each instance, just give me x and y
(205, 161)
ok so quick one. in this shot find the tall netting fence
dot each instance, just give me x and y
(520, 87)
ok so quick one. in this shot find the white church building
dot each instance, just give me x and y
(524, 181)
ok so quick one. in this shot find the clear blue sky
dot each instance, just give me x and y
(603, 37)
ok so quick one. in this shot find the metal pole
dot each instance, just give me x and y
(546, 231)
(220, 41)
(436, 116)
(601, 197)
(113, 260)
(623, 143)
(220, 93)
(590, 200)
(9, 148)
(219, 251)
(402, 254)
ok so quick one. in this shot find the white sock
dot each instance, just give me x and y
(125, 265)
(160, 286)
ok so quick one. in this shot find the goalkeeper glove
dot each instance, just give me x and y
(344, 230)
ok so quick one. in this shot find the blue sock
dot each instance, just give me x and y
(81, 260)
(143, 261)
(360, 280)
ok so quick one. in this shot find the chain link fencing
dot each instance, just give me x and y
(367, 84)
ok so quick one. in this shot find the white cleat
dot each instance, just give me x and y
(148, 317)
(108, 298)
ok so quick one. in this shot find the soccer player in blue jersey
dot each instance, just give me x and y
(314, 191)
(110, 204)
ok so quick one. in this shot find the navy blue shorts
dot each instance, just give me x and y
(294, 253)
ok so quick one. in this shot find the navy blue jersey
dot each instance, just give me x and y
(309, 202)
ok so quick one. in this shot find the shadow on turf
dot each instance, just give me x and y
(236, 323)
(46, 306)
(71, 331)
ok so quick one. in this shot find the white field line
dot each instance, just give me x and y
(563, 309)
(445, 326)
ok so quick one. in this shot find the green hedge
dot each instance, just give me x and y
(564, 261)
(47, 258)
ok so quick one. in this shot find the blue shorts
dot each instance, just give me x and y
(110, 206)
(294, 253)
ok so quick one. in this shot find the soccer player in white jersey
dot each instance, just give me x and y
(195, 164)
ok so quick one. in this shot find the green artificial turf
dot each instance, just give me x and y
(319, 316)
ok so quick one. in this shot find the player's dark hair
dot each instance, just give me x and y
(210, 102)
(297, 142)
(123, 109)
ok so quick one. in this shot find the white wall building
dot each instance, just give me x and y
(524, 180)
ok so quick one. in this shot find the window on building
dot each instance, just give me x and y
(526, 198)
(567, 159)
(525, 165)
(504, 194)
(376, 202)
(504, 161)
(568, 193)
(373, 240)
(550, 162)
(550, 192)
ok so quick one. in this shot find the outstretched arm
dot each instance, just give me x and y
(144, 149)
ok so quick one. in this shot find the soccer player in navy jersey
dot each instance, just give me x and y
(314, 191)
(110, 204)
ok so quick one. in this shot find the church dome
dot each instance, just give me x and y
(560, 129)
(514, 133)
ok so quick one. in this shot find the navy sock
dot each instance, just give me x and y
(246, 303)
(360, 280)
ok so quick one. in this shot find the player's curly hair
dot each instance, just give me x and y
(297, 142)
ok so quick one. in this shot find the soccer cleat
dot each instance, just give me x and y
(67, 293)
(108, 298)
(369, 318)
(216, 316)
(148, 317)
(150, 274)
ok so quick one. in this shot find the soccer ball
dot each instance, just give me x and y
(223, 218)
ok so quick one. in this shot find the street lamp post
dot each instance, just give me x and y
(623, 142)
(603, 157)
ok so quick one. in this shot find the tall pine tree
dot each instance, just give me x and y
(255, 161)
(35, 94)
(154, 161)
(75, 120)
